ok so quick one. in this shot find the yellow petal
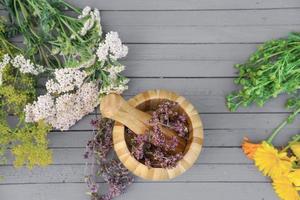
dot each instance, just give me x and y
(271, 162)
(296, 149)
(285, 189)
(295, 177)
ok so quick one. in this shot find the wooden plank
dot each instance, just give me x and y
(198, 34)
(201, 26)
(181, 60)
(145, 191)
(190, 52)
(76, 173)
(68, 156)
(207, 95)
(185, 5)
(201, 18)
(193, 69)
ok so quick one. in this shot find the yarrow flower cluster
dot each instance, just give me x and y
(65, 80)
(117, 86)
(93, 17)
(20, 62)
(114, 71)
(26, 66)
(3, 63)
(72, 107)
(112, 47)
(65, 110)
(42, 109)
(68, 99)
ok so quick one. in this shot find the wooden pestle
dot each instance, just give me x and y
(113, 106)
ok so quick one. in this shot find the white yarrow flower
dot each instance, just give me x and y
(42, 109)
(116, 48)
(26, 66)
(88, 25)
(114, 71)
(65, 110)
(65, 80)
(85, 12)
(6, 59)
(102, 51)
(96, 13)
(94, 18)
(72, 107)
(115, 87)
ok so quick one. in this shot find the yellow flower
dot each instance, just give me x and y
(295, 177)
(271, 162)
(296, 149)
(249, 148)
(285, 188)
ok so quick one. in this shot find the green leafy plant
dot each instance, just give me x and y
(272, 70)
(52, 34)
(26, 141)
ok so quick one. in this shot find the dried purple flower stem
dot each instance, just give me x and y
(111, 170)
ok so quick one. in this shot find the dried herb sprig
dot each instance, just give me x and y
(152, 148)
(272, 70)
(110, 169)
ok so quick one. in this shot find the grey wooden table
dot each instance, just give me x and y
(188, 46)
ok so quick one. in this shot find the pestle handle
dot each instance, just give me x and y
(115, 107)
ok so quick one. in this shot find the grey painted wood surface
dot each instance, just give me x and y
(189, 47)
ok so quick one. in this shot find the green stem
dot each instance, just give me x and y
(70, 6)
(281, 126)
(70, 28)
(295, 140)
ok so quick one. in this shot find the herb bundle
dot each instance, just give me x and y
(272, 70)
(76, 62)
(63, 41)
(152, 148)
(86, 65)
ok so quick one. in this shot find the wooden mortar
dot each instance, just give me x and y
(113, 106)
(148, 101)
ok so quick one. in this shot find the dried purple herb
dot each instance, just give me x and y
(152, 148)
(112, 171)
